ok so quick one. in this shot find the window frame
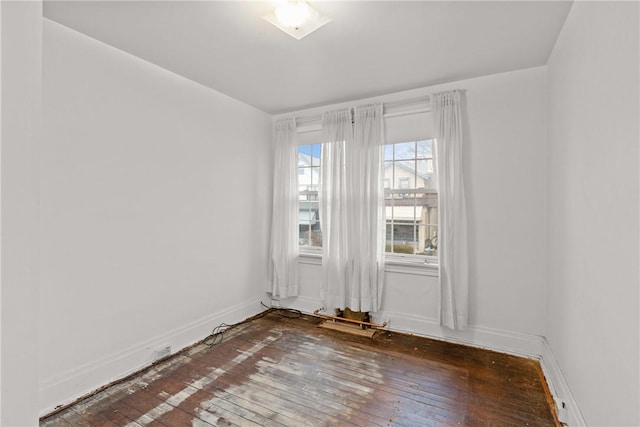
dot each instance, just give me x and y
(421, 265)
(400, 259)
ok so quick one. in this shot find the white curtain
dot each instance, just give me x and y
(283, 251)
(367, 215)
(352, 208)
(452, 229)
(336, 133)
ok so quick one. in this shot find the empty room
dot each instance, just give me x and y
(319, 213)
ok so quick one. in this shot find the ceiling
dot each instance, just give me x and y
(370, 47)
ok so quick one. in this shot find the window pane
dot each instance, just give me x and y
(424, 149)
(421, 170)
(405, 172)
(405, 150)
(412, 222)
(431, 232)
(388, 152)
(309, 221)
(425, 177)
(400, 237)
(388, 173)
(304, 179)
(315, 154)
(303, 155)
(315, 178)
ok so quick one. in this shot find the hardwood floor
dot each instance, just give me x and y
(281, 371)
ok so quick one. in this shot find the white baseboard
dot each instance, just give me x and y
(519, 344)
(559, 388)
(70, 385)
(476, 336)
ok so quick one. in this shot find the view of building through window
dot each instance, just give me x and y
(411, 198)
(308, 182)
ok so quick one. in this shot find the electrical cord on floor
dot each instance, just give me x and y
(217, 335)
(293, 313)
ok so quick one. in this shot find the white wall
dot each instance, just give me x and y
(504, 169)
(155, 211)
(592, 320)
(21, 57)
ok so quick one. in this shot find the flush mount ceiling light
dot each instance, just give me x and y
(296, 18)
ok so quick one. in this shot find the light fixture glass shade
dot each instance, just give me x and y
(296, 18)
(293, 14)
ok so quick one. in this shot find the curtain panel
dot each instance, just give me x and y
(366, 210)
(336, 134)
(283, 249)
(352, 208)
(452, 230)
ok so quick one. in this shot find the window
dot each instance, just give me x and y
(411, 198)
(411, 206)
(308, 181)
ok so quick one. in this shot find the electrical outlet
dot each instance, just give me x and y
(161, 352)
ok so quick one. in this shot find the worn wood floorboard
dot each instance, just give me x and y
(278, 371)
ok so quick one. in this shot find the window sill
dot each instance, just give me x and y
(396, 265)
(416, 267)
(313, 258)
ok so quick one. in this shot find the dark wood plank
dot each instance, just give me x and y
(278, 371)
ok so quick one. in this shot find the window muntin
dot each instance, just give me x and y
(310, 234)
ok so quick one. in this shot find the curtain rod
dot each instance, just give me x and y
(390, 109)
